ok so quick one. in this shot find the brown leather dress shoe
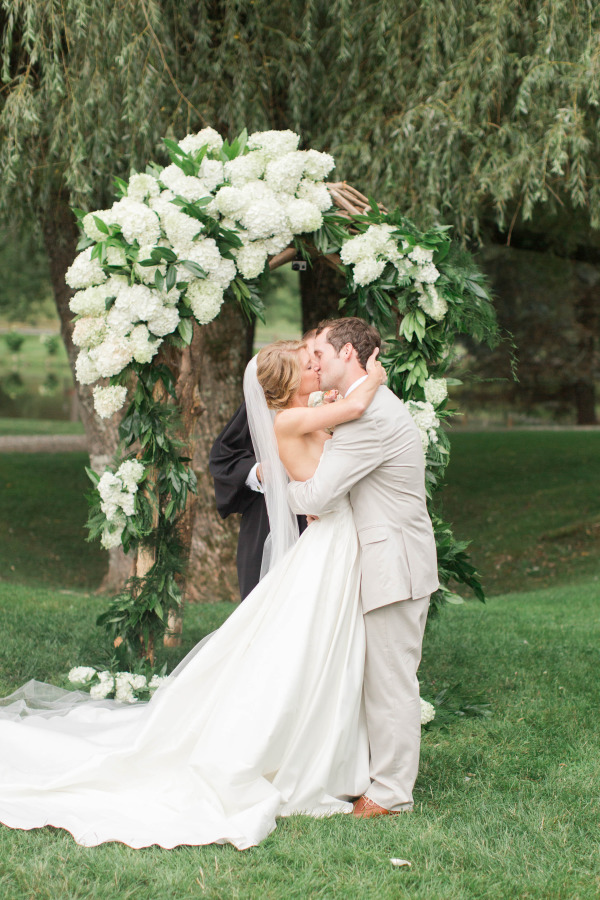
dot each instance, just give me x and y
(364, 808)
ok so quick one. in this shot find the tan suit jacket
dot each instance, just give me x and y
(379, 460)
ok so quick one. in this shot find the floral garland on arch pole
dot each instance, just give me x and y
(179, 242)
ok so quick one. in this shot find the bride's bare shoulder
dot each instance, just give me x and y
(287, 420)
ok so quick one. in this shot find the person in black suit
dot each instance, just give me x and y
(233, 466)
(236, 477)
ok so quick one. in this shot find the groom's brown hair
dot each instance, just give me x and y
(363, 337)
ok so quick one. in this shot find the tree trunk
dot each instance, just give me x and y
(222, 350)
(320, 291)
(60, 238)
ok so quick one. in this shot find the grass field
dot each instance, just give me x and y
(525, 499)
(529, 501)
(506, 806)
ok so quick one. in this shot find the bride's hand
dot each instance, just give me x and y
(374, 367)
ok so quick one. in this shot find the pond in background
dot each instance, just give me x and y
(35, 377)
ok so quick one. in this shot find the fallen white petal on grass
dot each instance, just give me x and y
(400, 862)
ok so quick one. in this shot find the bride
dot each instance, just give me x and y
(262, 720)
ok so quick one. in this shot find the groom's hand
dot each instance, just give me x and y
(311, 519)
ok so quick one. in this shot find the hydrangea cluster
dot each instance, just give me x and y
(369, 253)
(267, 194)
(117, 499)
(427, 711)
(126, 687)
(424, 417)
(436, 390)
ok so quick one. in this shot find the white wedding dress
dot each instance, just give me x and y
(264, 720)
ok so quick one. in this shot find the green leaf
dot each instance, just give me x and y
(193, 267)
(186, 330)
(100, 225)
(171, 277)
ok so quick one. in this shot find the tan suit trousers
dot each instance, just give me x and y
(391, 690)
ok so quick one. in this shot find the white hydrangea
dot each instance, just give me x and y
(432, 303)
(105, 686)
(207, 137)
(119, 319)
(230, 201)
(89, 331)
(285, 172)
(115, 256)
(427, 711)
(142, 186)
(246, 168)
(212, 173)
(112, 355)
(316, 194)
(302, 215)
(421, 255)
(206, 254)
(107, 400)
(427, 274)
(124, 687)
(264, 218)
(170, 298)
(368, 270)
(436, 390)
(162, 204)
(147, 273)
(278, 242)
(205, 299)
(90, 227)
(81, 674)
(130, 473)
(251, 258)
(375, 243)
(111, 537)
(85, 369)
(164, 321)
(354, 250)
(424, 417)
(142, 346)
(140, 300)
(187, 186)
(138, 222)
(180, 228)
(157, 681)
(406, 269)
(89, 302)
(273, 143)
(317, 165)
(85, 271)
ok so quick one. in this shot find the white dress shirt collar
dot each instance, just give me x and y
(356, 384)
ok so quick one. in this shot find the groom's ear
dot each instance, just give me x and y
(347, 351)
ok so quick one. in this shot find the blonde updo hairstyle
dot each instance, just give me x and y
(279, 372)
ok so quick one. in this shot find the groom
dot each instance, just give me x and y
(378, 460)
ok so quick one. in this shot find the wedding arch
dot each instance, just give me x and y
(178, 243)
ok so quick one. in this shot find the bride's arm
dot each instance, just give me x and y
(303, 419)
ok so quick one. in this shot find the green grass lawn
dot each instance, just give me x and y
(42, 516)
(529, 501)
(506, 807)
(18, 426)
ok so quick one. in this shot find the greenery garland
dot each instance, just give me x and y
(178, 243)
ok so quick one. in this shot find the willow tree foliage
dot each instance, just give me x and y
(477, 114)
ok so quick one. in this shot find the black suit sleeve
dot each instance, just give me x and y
(230, 462)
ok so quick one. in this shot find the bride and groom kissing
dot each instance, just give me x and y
(307, 697)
